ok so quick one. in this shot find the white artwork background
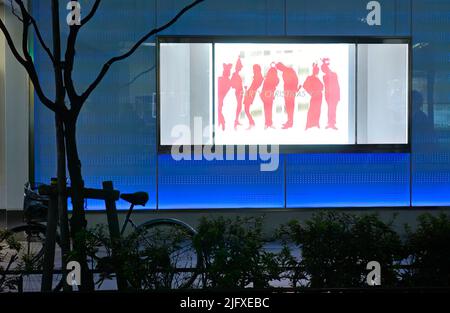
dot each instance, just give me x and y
(300, 57)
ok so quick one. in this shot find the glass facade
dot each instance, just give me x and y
(117, 127)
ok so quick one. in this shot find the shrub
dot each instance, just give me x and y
(233, 253)
(429, 252)
(9, 254)
(329, 250)
(336, 247)
(145, 259)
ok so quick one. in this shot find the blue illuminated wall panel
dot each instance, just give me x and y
(403, 19)
(347, 180)
(44, 127)
(324, 17)
(219, 184)
(218, 17)
(431, 121)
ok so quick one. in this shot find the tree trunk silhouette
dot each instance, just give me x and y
(60, 143)
(62, 197)
(78, 221)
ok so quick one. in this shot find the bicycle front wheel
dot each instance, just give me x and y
(166, 248)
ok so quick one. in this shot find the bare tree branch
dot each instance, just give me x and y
(13, 11)
(139, 76)
(29, 67)
(70, 54)
(26, 28)
(35, 26)
(108, 64)
(60, 91)
(88, 17)
(68, 65)
(27, 20)
(11, 44)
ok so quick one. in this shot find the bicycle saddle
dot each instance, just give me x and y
(137, 198)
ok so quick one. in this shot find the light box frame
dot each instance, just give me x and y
(300, 148)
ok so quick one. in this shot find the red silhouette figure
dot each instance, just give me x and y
(314, 88)
(251, 92)
(290, 90)
(332, 92)
(224, 86)
(268, 93)
(236, 84)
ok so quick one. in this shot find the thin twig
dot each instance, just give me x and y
(29, 67)
(27, 16)
(14, 11)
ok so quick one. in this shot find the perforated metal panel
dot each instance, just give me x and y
(219, 184)
(350, 180)
(431, 126)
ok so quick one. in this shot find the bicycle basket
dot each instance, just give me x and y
(35, 206)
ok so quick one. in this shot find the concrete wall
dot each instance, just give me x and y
(272, 218)
(14, 119)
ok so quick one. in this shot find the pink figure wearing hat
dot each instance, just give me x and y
(332, 92)
(314, 88)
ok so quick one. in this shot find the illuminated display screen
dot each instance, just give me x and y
(283, 93)
(288, 94)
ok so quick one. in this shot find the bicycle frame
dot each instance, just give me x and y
(128, 220)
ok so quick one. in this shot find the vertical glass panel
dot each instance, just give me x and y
(382, 111)
(186, 93)
(431, 103)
